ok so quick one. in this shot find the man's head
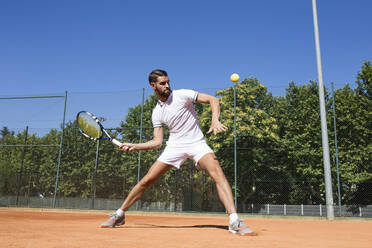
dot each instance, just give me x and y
(159, 81)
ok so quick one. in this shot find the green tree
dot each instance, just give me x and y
(5, 131)
(46, 177)
(354, 132)
(8, 165)
(257, 132)
(77, 165)
(299, 121)
(364, 81)
(11, 160)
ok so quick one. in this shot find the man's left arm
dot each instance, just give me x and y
(216, 125)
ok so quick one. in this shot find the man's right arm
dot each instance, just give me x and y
(155, 143)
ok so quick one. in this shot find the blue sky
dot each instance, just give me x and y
(49, 47)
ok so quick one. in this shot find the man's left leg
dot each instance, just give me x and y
(210, 163)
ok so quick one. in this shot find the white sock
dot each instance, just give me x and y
(120, 212)
(233, 217)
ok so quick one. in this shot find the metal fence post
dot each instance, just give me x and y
(175, 190)
(95, 175)
(360, 212)
(336, 147)
(302, 209)
(60, 152)
(285, 209)
(191, 187)
(140, 141)
(235, 153)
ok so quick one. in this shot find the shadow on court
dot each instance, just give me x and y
(181, 227)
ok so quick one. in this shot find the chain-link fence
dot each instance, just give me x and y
(278, 167)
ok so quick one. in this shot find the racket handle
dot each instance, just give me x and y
(116, 142)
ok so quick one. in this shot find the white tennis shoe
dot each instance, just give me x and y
(238, 227)
(114, 220)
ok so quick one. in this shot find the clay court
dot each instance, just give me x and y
(48, 228)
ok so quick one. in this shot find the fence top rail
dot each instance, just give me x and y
(27, 145)
(29, 97)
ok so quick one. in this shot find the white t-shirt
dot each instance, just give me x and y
(179, 115)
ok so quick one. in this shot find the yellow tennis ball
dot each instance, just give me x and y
(234, 78)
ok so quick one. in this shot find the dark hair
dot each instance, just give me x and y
(153, 77)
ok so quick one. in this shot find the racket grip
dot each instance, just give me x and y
(116, 142)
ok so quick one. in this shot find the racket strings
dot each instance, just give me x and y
(89, 125)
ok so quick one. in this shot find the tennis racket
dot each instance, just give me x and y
(90, 126)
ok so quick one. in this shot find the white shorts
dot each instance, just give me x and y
(176, 155)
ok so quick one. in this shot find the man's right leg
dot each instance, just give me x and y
(157, 170)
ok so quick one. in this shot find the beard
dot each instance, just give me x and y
(166, 93)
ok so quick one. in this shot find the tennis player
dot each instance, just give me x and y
(186, 140)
